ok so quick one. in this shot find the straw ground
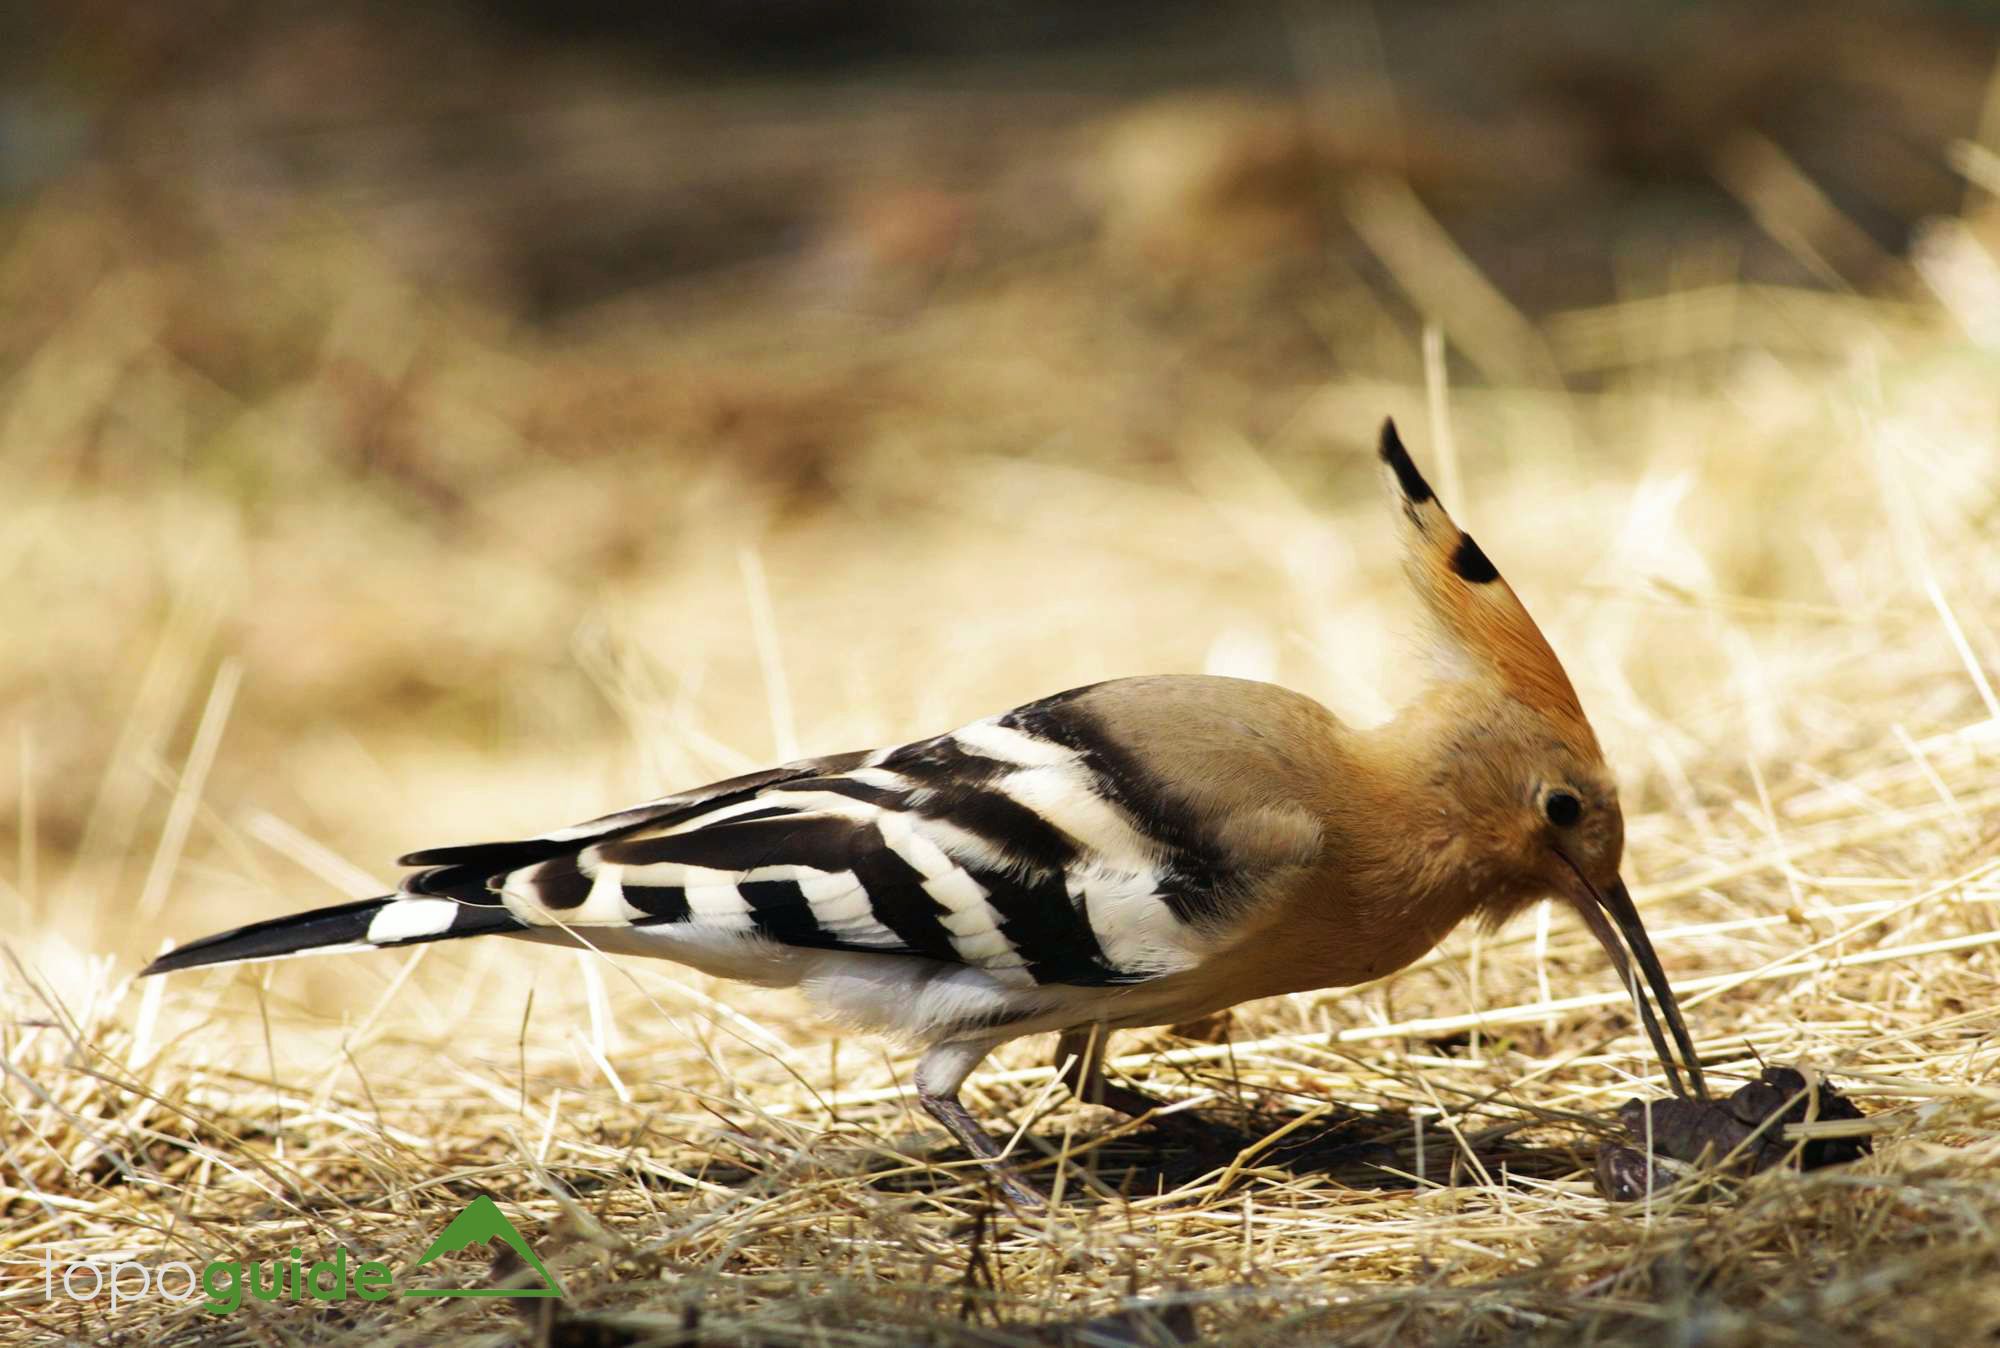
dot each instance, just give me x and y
(304, 570)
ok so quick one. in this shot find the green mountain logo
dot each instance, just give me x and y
(481, 1222)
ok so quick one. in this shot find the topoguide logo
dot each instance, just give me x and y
(224, 1283)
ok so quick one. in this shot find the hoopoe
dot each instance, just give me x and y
(1138, 852)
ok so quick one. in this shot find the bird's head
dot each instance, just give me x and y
(1523, 758)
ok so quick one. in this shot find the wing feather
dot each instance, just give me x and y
(1028, 845)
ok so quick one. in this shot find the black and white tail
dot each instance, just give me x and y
(370, 924)
(454, 895)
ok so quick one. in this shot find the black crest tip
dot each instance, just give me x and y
(1471, 564)
(1414, 487)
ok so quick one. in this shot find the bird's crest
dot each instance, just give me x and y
(1478, 617)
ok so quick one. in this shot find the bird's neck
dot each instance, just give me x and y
(1439, 863)
(1399, 857)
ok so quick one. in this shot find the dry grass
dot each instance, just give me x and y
(304, 570)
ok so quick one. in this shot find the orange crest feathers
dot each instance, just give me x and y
(1477, 613)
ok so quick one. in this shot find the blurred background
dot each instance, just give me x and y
(424, 423)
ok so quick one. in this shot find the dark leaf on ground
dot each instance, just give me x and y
(1747, 1130)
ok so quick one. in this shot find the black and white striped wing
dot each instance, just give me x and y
(1020, 845)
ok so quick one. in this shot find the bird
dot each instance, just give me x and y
(1143, 851)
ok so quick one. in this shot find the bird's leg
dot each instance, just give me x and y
(958, 1121)
(941, 1071)
(1080, 1057)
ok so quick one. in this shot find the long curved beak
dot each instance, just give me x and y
(1616, 906)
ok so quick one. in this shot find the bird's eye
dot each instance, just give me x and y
(1562, 808)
